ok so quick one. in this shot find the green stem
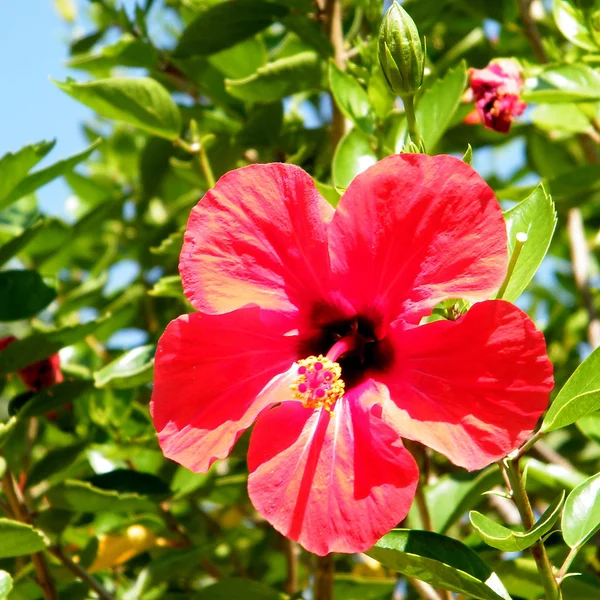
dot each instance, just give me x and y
(411, 118)
(206, 168)
(538, 550)
(562, 572)
(519, 243)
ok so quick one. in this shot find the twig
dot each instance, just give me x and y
(335, 33)
(422, 506)
(81, 573)
(20, 512)
(291, 551)
(531, 30)
(538, 550)
(562, 572)
(580, 258)
(324, 571)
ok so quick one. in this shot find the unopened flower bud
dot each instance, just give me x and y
(400, 51)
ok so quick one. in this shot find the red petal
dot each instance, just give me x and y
(471, 389)
(413, 230)
(259, 236)
(334, 484)
(209, 381)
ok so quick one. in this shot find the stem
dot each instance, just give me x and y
(81, 574)
(521, 238)
(206, 168)
(335, 33)
(411, 118)
(422, 506)
(526, 446)
(532, 31)
(20, 512)
(290, 550)
(323, 586)
(580, 258)
(538, 550)
(565, 566)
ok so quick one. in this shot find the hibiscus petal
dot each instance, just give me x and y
(413, 230)
(471, 389)
(332, 483)
(258, 237)
(213, 375)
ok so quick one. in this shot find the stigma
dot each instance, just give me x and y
(318, 383)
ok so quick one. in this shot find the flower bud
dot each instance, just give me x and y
(400, 51)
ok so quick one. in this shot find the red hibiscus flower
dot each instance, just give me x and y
(496, 91)
(39, 375)
(309, 325)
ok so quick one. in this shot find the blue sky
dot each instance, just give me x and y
(34, 45)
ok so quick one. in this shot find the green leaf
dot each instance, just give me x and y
(19, 242)
(132, 369)
(38, 346)
(302, 72)
(40, 178)
(439, 103)
(555, 477)
(6, 430)
(238, 588)
(168, 286)
(452, 495)
(241, 60)
(5, 584)
(440, 561)
(353, 155)
(127, 481)
(24, 295)
(14, 167)
(581, 517)
(570, 20)
(502, 538)
(141, 102)
(48, 399)
(352, 587)
(580, 396)
(54, 461)
(82, 496)
(536, 217)
(562, 117)
(351, 98)
(564, 83)
(240, 19)
(19, 539)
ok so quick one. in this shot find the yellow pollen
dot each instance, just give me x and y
(319, 383)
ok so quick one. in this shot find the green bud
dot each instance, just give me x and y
(400, 51)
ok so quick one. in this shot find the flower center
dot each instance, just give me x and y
(319, 383)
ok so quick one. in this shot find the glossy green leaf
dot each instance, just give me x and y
(452, 495)
(19, 242)
(41, 345)
(239, 588)
(241, 60)
(82, 496)
(24, 294)
(581, 517)
(141, 102)
(128, 481)
(15, 166)
(353, 155)
(241, 19)
(570, 20)
(561, 117)
(580, 396)
(132, 369)
(439, 103)
(56, 460)
(6, 585)
(536, 217)
(351, 98)
(564, 83)
(302, 72)
(19, 539)
(40, 178)
(50, 398)
(440, 561)
(507, 540)
(590, 426)
(553, 477)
